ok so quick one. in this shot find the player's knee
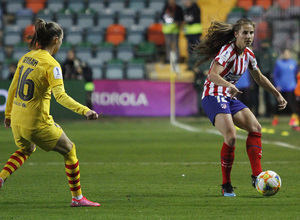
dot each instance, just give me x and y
(69, 146)
(29, 150)
(256, 128)
(230, 139)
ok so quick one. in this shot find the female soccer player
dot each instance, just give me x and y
(28, 103)
(228, 45)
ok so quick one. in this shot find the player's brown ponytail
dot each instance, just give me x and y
(219, 34)
(44, 34)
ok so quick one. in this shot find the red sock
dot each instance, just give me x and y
(254, 152)
(227, 157)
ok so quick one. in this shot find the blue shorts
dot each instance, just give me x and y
(214, 105)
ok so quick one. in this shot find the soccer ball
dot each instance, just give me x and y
(268, 183)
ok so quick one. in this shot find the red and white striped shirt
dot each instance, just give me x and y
(234, 67)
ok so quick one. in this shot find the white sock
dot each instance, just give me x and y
(77, 197)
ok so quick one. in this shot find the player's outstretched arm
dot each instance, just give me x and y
(267, 85)
(62, 98)
(91, 115)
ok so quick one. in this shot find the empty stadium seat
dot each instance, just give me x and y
(5, 71)
(105, 19)
(283, 4)
(127, 18)
(137, 5)
(235, 14)
(12, 37)
(296, 2)
(146, 51)
(19, 50)
(85, 19)
(115, 69)
(294, 12)
(105, 52)
(125, 51)
(46, 15)
(94, 35)
(76, 5)
(116, 5)
(264, 3)
(262, 30)
(255, 12)
(97, 71)
(273, 12)
(55, 5)
(13, 6)
(2, 55)
(73, 36)
(96, 4)
(28, 31)
(65, 18)
(155, 34)
(115, 34)
(136, 34)
(245, 4)
(136, 69)
(35, 5)
(84, 52)
(146, 17)
(156, 5)
(24, 17)
(61, 54)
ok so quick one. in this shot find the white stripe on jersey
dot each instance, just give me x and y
(234, 67)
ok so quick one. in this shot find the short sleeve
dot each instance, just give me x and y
(223, 57)
(54, 75)
(252, 63)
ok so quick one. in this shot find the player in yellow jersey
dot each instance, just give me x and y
(28, 104)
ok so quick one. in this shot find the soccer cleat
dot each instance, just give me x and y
(1, 182)
(83, 202)
(253, 181)
(227, 190)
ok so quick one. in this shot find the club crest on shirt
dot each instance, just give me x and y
(57, 73)
(223, 105)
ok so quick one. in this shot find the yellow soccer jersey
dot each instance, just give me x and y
(28, 102)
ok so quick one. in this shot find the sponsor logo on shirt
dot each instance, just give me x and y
(232, 77)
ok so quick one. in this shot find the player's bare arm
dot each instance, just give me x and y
(214, 76)
(263, 81)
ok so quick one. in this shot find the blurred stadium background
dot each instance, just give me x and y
(122, 42)
(145, 168)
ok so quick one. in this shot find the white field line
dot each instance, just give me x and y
(242, 137)
(151, 163)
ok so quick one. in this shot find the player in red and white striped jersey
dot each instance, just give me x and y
(228, 46)
(234, 67)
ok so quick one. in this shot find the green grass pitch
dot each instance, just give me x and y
(145, 168)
